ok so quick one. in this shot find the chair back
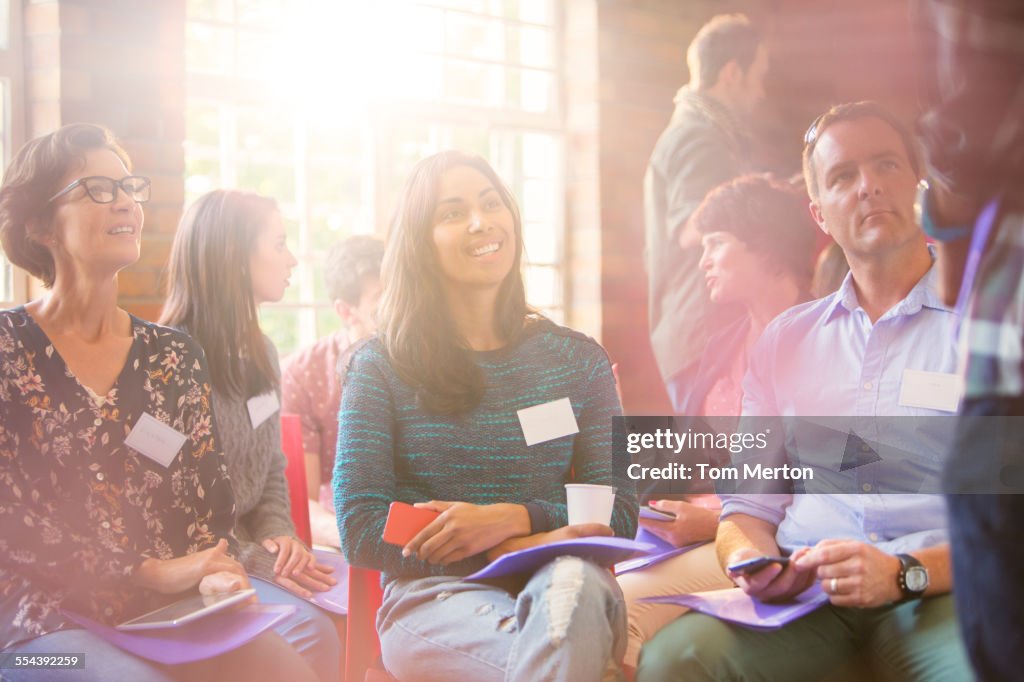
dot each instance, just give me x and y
(295, 472)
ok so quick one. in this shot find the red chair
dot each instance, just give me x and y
(362, 648)
(291, 444)
(295, 472)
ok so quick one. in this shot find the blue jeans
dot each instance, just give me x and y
(303, 646)
(268, 657)
(567, 623)
(988, 557)
(310, 631)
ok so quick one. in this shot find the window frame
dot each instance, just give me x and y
(13, 112)
(232, 93)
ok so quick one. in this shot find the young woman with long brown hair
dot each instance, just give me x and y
(229, 256)
(429, 416)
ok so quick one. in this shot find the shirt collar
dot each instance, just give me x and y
(923, 295)
(689, 98)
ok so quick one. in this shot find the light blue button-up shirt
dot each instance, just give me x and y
(826, 358)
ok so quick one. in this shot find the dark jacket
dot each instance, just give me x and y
(700, 149)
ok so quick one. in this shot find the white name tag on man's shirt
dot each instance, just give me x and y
(156, 440)
(261, 407)
(931, 390)
(548, 421)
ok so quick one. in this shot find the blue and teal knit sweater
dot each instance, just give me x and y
(391, 449)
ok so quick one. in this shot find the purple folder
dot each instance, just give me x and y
(204, 638)
(735, 606)
(335, 599)
(662, 550)
(601, 550)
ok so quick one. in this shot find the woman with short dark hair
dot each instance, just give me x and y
(89, 523)
(758, 241)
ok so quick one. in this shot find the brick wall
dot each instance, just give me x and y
(121, 64)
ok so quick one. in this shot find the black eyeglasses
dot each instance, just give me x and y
(812, 132)
(103, 190)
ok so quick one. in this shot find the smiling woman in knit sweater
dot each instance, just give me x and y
(429, 416)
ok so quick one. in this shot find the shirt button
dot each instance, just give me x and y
(867, 385)
(873, 537)
(99, 476)
(105, 524)
(865, 447)
(97, 422)
(866, 487)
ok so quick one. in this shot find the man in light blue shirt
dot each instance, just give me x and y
(880, 346)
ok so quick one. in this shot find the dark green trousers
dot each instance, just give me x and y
(913, 641)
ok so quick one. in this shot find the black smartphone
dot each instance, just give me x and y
(656, 514)
(751, 566)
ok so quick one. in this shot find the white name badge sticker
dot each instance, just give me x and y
(548, 421)
(261, 407)
(931, 390)
(156, 440)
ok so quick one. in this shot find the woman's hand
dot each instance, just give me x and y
(221, 582)
(315, 578)
(582, 530)
(292, 556)
(170, 576)
(296, 568)
(463, 530)
(692, 523)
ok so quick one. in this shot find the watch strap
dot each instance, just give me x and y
(907, 562)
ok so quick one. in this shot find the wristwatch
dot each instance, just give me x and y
(912, 578)
(922, 213)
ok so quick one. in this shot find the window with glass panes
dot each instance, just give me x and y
(13, 282)
(326, 106)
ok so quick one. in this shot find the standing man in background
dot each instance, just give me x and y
(703, 146)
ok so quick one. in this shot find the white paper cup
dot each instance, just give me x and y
(589, 503)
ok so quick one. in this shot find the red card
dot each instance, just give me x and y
(405, 521)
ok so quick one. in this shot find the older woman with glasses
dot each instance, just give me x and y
(113, 492)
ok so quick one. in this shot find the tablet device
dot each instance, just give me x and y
(404, 522)
(185, 611)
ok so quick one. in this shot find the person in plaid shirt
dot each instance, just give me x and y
(972, 206)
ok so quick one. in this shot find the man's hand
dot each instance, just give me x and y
(581, 530)
(773, 582)
(853, 573)
(692, 523)
(463, 530)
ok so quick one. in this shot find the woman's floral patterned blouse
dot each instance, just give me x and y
(80, 509)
